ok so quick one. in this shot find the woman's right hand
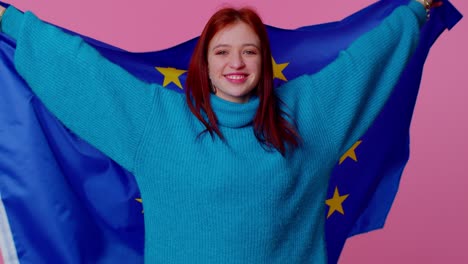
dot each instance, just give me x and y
(2, 11)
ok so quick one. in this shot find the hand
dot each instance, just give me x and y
(423, 2)
(2, 10)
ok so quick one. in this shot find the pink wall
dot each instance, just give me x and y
(428, 221)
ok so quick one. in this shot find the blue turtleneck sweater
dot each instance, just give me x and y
(208, 200)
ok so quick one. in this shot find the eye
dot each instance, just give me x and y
(221, 52)
(251, 52)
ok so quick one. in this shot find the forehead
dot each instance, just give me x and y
(238, 33)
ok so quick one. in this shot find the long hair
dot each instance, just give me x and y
(270, 127)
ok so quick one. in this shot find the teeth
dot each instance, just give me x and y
(236, 77)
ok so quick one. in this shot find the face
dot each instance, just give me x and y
(234, 62)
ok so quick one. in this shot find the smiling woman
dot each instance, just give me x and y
(252, 192)
(234, 61)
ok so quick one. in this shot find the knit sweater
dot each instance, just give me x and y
(208, 200)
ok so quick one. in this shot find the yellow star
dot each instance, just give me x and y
(140, 201)
(336, 202)
(351, 152)
(171, 75)
(278, 70)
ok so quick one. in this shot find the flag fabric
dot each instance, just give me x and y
(64, 201)
(367, 176)
(7, 246)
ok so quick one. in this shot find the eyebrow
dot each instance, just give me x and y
(227, 45)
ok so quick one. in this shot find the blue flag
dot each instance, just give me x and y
(52, 206)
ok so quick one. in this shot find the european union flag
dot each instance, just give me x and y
(52, 206)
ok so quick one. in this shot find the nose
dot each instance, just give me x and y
(237, 62)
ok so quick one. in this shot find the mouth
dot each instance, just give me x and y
(236, 77)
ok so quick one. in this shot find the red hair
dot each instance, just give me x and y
(270, 127)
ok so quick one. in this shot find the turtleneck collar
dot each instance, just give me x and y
(234, 115)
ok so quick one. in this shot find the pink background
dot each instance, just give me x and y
(428, 222)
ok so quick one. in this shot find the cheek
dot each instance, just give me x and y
(256, 67)
(210, 65)
(213, 68)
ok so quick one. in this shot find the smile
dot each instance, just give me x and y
(236, 76)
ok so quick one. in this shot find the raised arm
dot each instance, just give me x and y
(95, 98)
(343, 99)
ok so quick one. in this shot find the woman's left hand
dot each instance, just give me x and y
(425, 2)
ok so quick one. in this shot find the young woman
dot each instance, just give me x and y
(234, 172)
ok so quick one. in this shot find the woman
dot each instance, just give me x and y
(253, 191)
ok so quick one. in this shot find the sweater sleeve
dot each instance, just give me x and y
(96, 99)
(339, 103)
